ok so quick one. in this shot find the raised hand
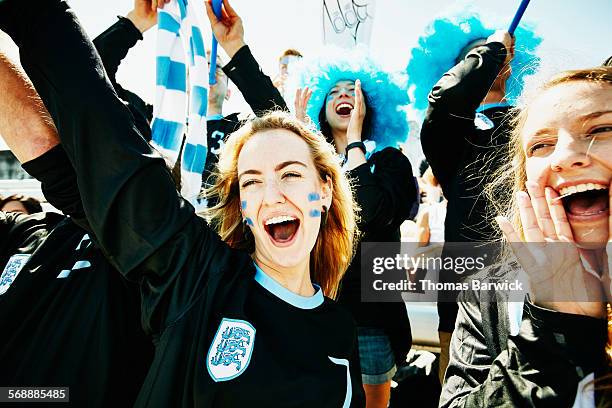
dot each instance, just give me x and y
(144, 13)
(355, 126)
(302, 96)
(548, 254)
(228, 29)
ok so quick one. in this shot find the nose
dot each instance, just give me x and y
(569, 154)
(273, 193)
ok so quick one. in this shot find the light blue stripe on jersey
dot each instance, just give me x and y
(301, 302)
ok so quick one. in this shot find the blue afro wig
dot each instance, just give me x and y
(439, 47)
(386, 95)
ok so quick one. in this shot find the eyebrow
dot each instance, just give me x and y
(278, 167)
(594, 115)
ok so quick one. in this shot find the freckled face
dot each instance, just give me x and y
(281, 195)
(567, 140)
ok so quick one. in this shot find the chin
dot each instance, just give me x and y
(591, 238)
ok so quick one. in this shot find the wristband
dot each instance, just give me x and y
(353, 145)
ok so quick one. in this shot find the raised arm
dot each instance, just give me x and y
(452, 108)
(243, 69)
(113, 45)
(25, 123)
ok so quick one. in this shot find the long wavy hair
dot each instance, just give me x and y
(511, 178)
(334, 248)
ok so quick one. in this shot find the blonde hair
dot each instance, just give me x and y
(334, 247)
(511, 177)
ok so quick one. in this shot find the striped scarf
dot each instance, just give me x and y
(179, 113)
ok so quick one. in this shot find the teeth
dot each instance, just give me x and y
(344, 105)
(279, 219)
(580, 188)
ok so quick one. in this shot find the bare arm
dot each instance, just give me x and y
(25, 123)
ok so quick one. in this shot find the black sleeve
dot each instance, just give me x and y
(541, 366)
(387, 194)
(114, 43)
(58, 182)
(255, 86)
(113, 46)
(449, 121)
(144, 227)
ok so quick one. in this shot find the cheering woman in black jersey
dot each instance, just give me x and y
(237, 320)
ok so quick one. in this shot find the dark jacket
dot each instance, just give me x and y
(462, 153)
(540, 366)
(464, 147)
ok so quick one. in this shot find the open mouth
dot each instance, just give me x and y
(282, 229)
(585, 200)
(344, 109)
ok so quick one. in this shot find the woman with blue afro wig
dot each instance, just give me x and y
(446, 41)
(385, 94)
(353, 101)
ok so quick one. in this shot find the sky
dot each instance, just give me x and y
(575, 33)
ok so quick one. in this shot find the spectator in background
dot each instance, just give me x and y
(466, 128)
(20, 203)
(286, 62)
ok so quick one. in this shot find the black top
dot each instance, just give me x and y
(540, 365)
(386, 191)
(463, 147)
(200, 300)
(68, 318)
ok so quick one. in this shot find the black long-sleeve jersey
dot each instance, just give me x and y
(461, 145)
(464, 148)
(224, 333)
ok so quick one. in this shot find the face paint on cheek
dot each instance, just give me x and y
(314, 197)
(243, 205)
(314, 213)
(249, 222)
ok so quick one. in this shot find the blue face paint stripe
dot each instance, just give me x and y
(249, 221)
(313, 197)
(315, 213)
(243, 205)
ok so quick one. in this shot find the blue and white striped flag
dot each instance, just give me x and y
(182, 92)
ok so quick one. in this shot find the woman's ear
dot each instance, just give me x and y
(327, 191)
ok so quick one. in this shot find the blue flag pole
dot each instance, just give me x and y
(517, 17)
(216, 6)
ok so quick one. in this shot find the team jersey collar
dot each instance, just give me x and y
(486, 106)
(301, 302)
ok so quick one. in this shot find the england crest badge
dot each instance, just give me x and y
(230, 352)
(11, 270)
